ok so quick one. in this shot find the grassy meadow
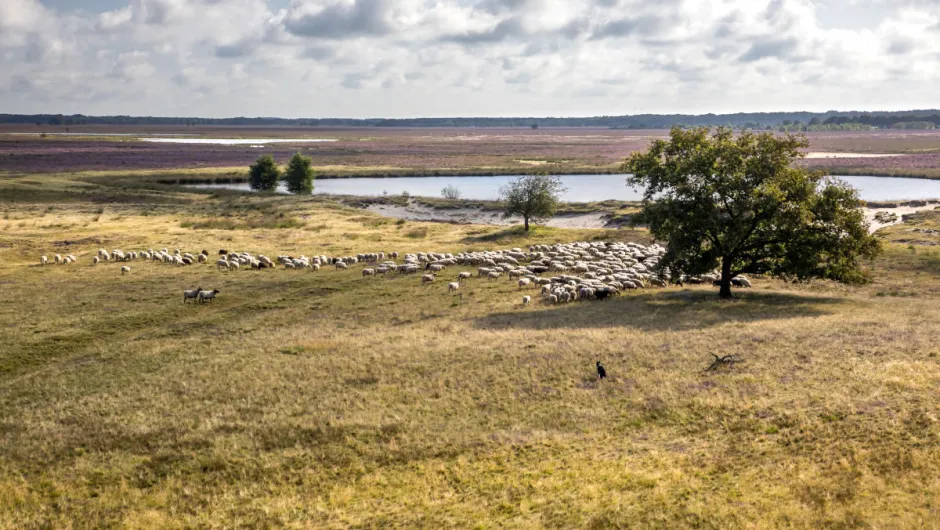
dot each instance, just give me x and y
(328, 400)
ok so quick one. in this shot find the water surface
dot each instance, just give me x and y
(235, 141)
(580, 188)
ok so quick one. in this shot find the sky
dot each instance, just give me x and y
(441, 58)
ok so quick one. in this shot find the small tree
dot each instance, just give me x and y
(263, 174)
(299, 174)
(450, 192)
(740, 204)
(534, 197)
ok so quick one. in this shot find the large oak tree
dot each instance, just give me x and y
(740, 203)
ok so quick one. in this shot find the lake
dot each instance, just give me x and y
(581, 188)
(235, 141)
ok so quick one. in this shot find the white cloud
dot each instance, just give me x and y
(468, 57)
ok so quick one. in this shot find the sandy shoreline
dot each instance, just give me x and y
(418, 212)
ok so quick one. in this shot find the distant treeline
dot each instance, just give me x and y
(761, 120)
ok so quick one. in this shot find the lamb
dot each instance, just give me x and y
(207, 296)
(194, 294)
(125, 270)
(43, 260)
(453, 287)
(94, 260)
(526, 300)
(524, 282)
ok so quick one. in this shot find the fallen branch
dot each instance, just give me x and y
(727, 359)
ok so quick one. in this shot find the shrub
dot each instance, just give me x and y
(299, 175)
(450, 192)
(264, 174)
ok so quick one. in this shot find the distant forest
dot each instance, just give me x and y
(793, 121)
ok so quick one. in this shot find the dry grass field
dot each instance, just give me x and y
(326, 400)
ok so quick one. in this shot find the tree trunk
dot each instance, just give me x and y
(725, 291)
(526, 219)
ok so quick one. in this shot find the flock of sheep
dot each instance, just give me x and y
(564, 272)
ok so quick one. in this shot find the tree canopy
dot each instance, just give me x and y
(264, 174)
(299, 174)
(739, 203)
(533, 197)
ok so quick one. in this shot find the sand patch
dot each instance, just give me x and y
(477, 216)
(899, 211)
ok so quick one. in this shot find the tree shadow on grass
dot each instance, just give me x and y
(664, 311)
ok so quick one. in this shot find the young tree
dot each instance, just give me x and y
(299, 174)
(740, 204)
(450, 192)
(533, 197)
(263, 174)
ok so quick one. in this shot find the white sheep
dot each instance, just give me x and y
(43, 260)
(494, 275)
(464, 276)
(221, 264)
(368, 272)
(341, 265)
(193, 294)
(95, 260)
(526, 300)
(524, 282)
(58, 259)
(125, 270)
(453, 287)
(207, 296)
(427, 278)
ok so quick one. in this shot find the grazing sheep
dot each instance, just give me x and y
(125, 270)
(222, 252)
(341, 265)
(194, 294)
(464, 276)
(494, 275)
(43, 260)
(368, 272)
(553, 299)
(427, 278)
(207, 296)
(203, 258)
(58, 259)
(453, 286)
(95, 260)
(524, 282)
(526, 300)
(221, 264)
